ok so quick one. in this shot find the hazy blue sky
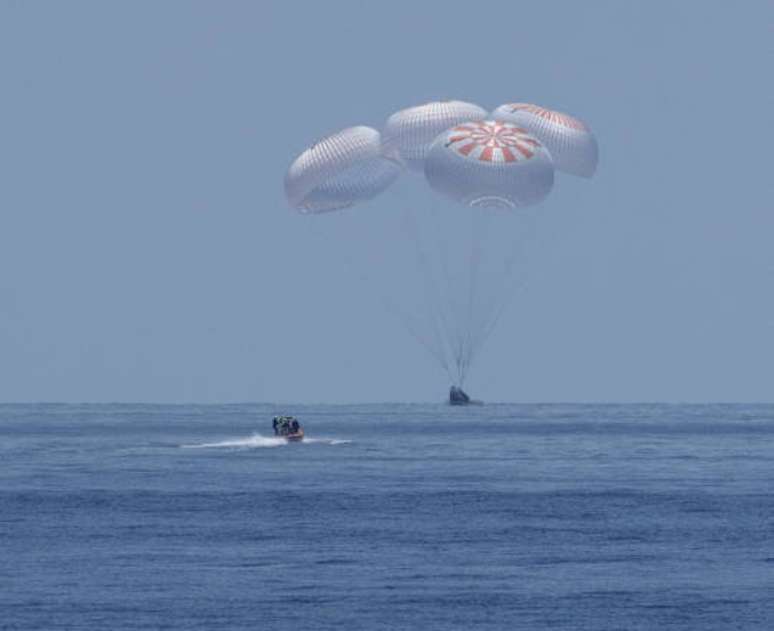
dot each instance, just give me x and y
(147, 253)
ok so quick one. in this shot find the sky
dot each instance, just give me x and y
(147, 252)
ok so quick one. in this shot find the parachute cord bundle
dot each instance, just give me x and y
(464, 300)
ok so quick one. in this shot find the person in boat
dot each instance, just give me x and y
(285, 425)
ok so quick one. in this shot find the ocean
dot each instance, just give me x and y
(389, 517)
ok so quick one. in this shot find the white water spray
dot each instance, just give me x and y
(257, 441)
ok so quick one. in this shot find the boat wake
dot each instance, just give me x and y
(257, 441)
(327, 441)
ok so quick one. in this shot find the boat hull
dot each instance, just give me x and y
(295, 438)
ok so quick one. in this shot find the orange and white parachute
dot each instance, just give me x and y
(569, 140)
(490, 163)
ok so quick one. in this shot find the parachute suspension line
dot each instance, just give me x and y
(432, 297)
(446, 286)
(414, 332)
(448, 290)
(432, 344)
(509, 285)
(479, 225)
(466, 340)
(359, 273)
(455, 301)
(481, 229)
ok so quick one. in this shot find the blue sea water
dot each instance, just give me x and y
(390, 517)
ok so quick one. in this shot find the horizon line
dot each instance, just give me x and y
(344, 403)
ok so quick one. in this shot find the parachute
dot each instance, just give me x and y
(340, 170)
(491, 164)
(409, 133)
(570, 142)
(497, 168)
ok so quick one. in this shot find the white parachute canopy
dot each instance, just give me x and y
(490, 163)
(569, 140)
(339, 171)
(408, 133)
